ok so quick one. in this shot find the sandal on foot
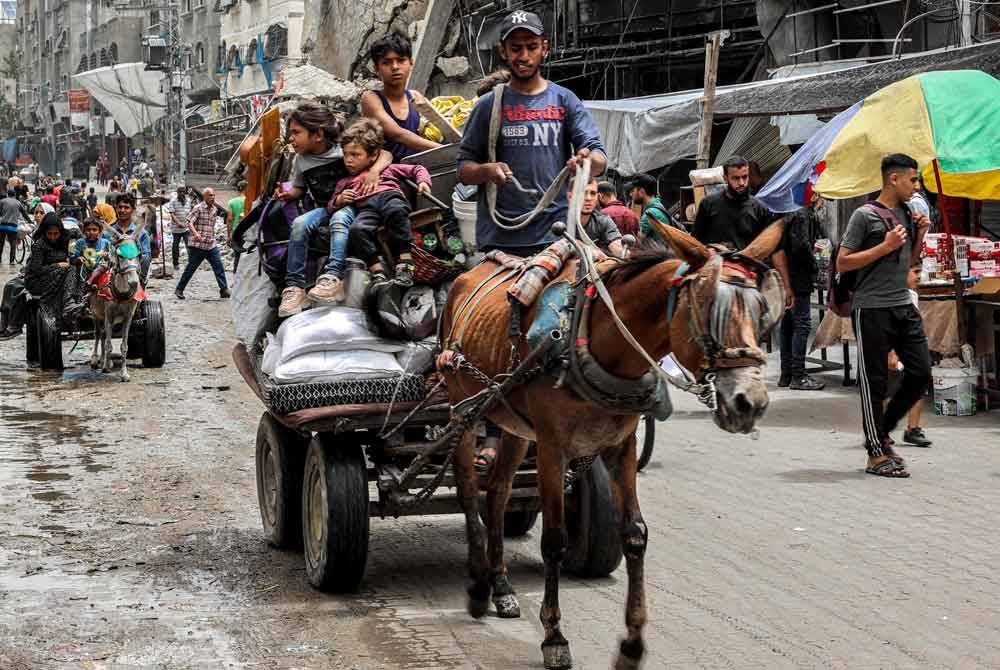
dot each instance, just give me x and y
(893, 455)
(888, 468)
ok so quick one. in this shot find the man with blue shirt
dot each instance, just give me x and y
(543, 128)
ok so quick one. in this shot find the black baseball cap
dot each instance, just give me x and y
(521, 20)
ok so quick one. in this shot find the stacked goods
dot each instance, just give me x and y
(333, 356)
(984, 258)
(455, 108)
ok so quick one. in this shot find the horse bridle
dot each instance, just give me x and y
(121, 265)
(708, 333)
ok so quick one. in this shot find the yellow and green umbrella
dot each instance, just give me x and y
(949, 118)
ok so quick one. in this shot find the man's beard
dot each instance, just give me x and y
(735, 195)
(514, 75)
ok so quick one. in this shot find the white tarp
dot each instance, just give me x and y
(129, 92)
(642, 134)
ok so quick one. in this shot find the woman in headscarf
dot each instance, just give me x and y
(47, 276)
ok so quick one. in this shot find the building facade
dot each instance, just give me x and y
(59, 38)
(259, 39)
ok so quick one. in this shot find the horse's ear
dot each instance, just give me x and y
(685, 246)
(765, 243)
(111, 231)
(774, 291)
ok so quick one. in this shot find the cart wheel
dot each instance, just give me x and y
(517, 523)
(645, 435)
(49, 343)
(280, 458)
(335, 513)
(31, 335)
(595, 547)
(154, 345)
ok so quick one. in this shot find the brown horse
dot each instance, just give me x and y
(723, 300)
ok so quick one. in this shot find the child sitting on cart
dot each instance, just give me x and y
(387, 206)
(88, 248)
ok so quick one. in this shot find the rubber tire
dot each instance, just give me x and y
(49, 344)
(518, 523)
(335, 531)
(646, 448)
(594, 548)
(154, 341)
(286, 450)
(31, 335)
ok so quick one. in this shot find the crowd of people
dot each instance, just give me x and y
(353, 182)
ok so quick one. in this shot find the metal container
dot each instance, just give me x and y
(357, 279)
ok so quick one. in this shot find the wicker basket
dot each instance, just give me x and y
(429, 269)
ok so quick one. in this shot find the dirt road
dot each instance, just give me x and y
(130, 537)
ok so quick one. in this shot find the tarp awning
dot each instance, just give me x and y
(643, 134)
(129, 92)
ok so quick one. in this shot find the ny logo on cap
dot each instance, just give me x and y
(519, 17)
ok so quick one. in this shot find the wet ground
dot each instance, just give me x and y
(130, 537)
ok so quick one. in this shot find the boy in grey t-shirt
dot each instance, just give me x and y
(881, 236)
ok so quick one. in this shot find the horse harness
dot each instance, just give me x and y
(562, 327)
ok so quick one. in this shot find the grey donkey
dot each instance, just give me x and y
(118, 294)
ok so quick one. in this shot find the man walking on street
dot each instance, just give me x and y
(179, 209)
(615, 209)
(201, 246)
(881, 238)
(234, 214)
(802, 229)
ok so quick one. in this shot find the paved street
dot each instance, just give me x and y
(130, 537)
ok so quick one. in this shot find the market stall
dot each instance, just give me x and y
(944, 120)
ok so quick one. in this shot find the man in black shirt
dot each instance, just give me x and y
(802, 229)
(733, 217)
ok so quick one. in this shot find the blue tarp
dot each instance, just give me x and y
(787, 190)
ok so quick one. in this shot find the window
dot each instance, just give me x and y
(93, 60)
(82, 67)
(233, 58)
(252, 52)
(104, 58)
(64, 83)
(276, 42)
(220, 57)
(199, 54)
(113, 53)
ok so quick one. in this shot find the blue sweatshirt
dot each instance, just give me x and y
(538, 134)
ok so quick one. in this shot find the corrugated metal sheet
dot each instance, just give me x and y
(755, 139)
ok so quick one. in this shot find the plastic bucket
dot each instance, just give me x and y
(954, 391)
(465, 214)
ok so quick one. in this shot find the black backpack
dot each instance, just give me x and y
(843, 285)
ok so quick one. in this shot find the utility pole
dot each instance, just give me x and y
(175, 81)
(712, 47)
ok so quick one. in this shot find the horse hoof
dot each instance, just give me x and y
(477, 608)
(125, 379)
(556, 656)
(626, 663)
(507, 606)
(630, 655)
